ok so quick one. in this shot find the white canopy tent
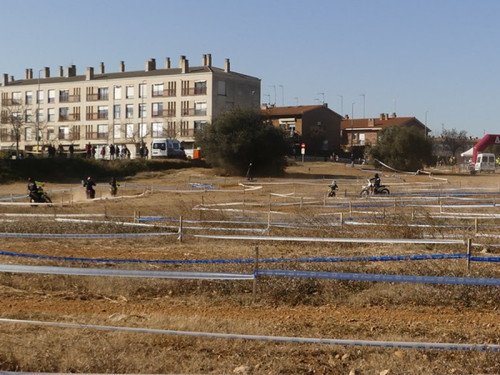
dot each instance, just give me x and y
(468, 153)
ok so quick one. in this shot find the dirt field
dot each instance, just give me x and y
(294, 205)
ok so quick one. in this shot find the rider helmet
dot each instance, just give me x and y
(30, 179)
(376, 175)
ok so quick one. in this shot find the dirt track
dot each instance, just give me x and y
(93, 301)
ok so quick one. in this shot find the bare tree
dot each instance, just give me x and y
(16, 116)
(454, 140)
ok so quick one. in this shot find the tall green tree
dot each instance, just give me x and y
(241, 136)
(403, 148)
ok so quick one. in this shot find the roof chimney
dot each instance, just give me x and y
(46, 72)
(227, 66)
(90, 73)
(71, 71)
(29, 74)
(184, 64)
(122, 67)
(393, 115)
(167, 63)
(150, 65)
(204, 60)
(5, 80)
(61, 71)
(209, 60)
(101, 68)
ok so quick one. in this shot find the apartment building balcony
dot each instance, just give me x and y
(164, 93)
(96, 135)
(69, 99)
(97, 97)
(191, 91)
(70, 117)
(97, 116)
(193, 112)
(163, 113)
(68, 137)
(10, 102)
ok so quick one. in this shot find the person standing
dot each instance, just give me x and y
(249, 172)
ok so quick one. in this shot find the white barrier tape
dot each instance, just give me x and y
(283, 339)
(76, 271)
(340, 240)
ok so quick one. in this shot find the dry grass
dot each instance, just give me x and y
(282, 306)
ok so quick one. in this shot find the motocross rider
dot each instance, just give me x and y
(89, 184)
(33, 189)
(376, 182)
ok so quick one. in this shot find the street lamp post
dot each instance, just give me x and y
(37, 98)
(352, 133)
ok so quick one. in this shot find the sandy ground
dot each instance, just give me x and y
(154, 196)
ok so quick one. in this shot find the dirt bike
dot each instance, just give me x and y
(369, 189)
(113, 190)
(90, 192)
(40, 196)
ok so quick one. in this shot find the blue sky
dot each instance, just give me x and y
(433, 59)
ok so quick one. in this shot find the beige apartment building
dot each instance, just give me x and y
(121, 108)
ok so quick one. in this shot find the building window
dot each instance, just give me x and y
(221, 88)
(102, 112)
(39, 97)
(142, 90)
(157, 129)
(129, 92)
(102, 93)
(63, 113)
(200, 108)
(118, 131)
(143, 130)
(157, 109)
(52, 96)
(142, 110)
(129, 111)
(63, 96)
(17, 98)
(117, 92)
(63, 132)
(102, 131)
(116, 111)
(158, 89)
(51, 135)
(198, 125)
(200, 87)
(28, 134)
(40, 117)
(129, 131)
(29, 97)
(51, 114)
(28, 116)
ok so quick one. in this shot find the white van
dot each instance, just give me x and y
(485, 163)
(167, 148)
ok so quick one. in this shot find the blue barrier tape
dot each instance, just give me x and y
(485, 259)
(381, 277)
(287, 339)
(247, 261)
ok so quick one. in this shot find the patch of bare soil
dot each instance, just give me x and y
(207, 204)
